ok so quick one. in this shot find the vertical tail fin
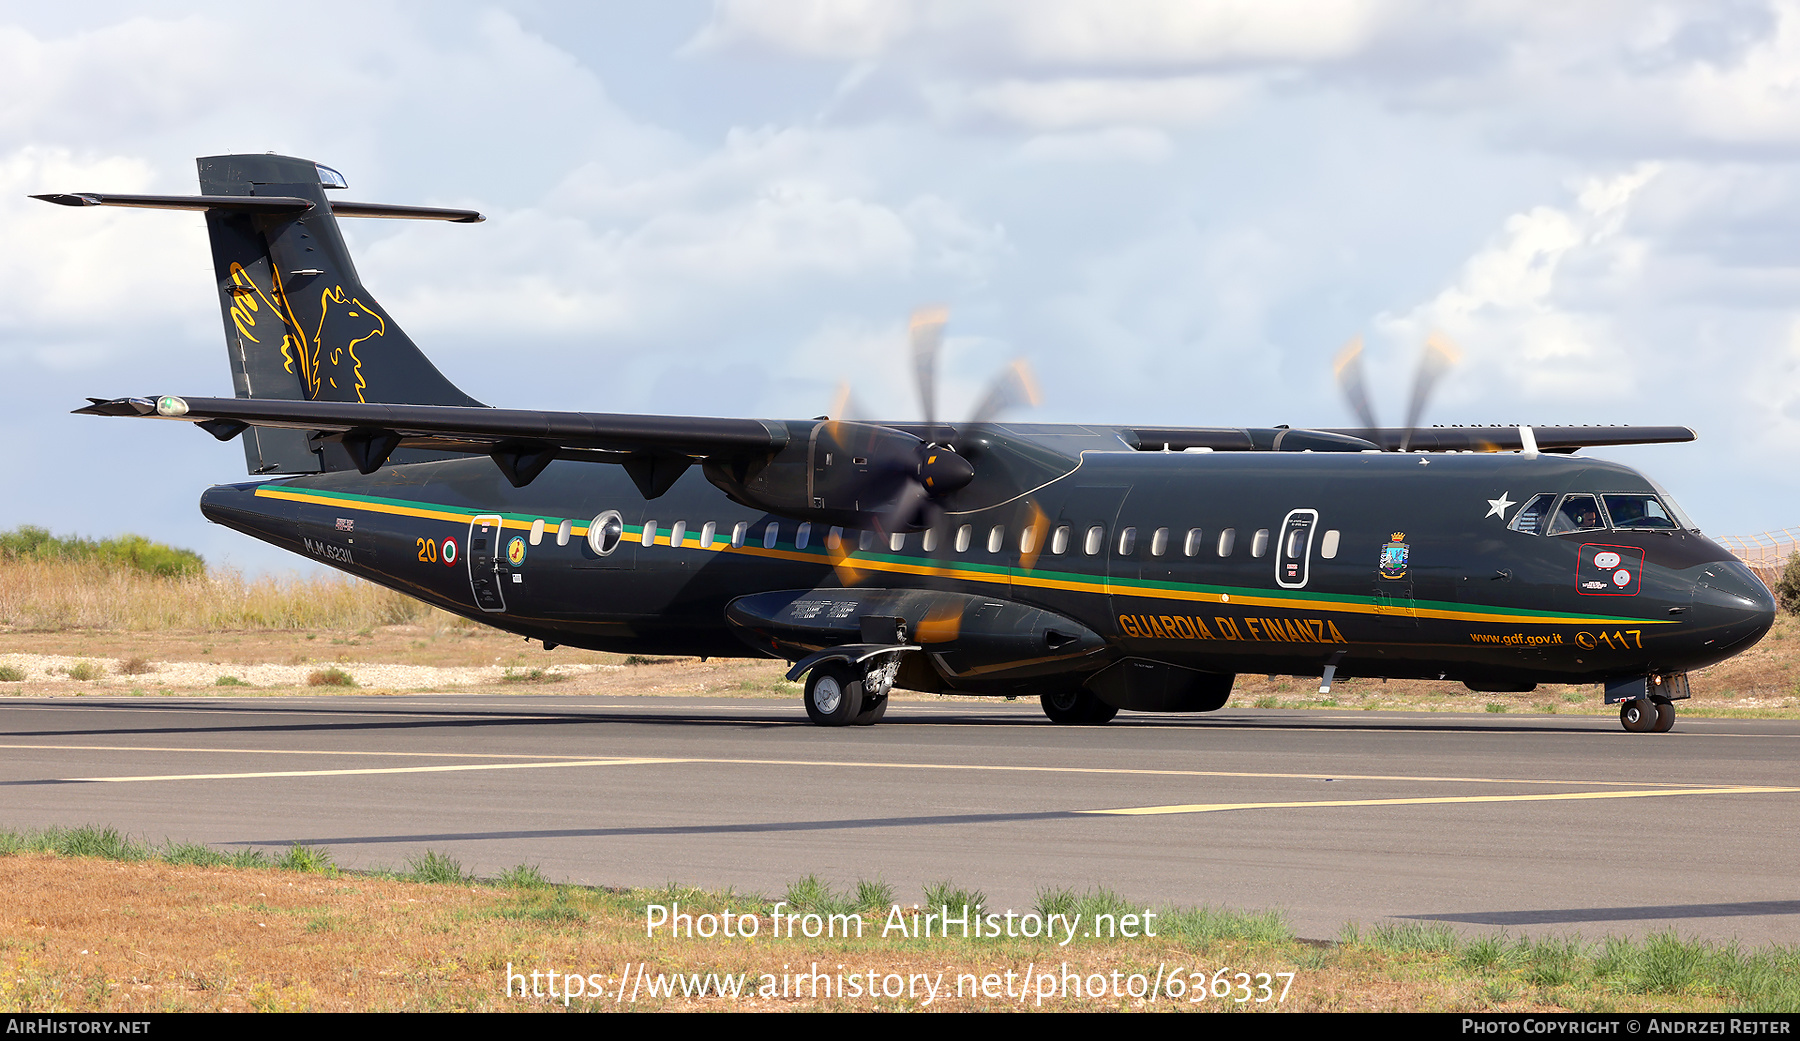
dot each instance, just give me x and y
(299, 324)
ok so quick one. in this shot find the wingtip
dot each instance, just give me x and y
(69, 199)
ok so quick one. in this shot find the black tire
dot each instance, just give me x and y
(1638, 715)
(1078, 707)
(872, 712)
(833, 694)
(1665, 718)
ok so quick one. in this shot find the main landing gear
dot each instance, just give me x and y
(1647, 715)
(1077, 707)
(839, 694)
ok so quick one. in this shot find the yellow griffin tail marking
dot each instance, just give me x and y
(243, 315)
(363, 319)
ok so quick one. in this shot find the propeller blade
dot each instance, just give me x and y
(1440, 354)
(1349, 371)
(1036, 533)
(1012, 388)
(927, 330)
(905, 513)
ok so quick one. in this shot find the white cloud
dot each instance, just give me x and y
(1063, 104)
(1511, 308)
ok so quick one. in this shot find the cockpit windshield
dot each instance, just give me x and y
(1637, 511)
(1577, 513)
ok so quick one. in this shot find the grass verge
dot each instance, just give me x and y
(97, 921)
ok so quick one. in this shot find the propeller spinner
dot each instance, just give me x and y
(911, 476)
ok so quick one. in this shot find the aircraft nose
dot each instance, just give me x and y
(1732, 607)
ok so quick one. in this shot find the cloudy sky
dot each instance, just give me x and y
(1177, 211)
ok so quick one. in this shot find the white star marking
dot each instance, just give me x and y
(1498, 507)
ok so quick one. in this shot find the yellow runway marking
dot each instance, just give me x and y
(1425, 801)
(376, 770)
(857, 764)
(513, 762)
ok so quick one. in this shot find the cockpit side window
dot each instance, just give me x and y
(1530, 518)
(1578, 512)
(1637, 511)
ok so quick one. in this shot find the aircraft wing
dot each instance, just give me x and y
(1559, 439)
(522, 442)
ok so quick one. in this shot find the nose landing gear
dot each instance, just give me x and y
(1647, 703)
(1647, 715)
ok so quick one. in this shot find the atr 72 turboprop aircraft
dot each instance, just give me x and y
(1099, 567)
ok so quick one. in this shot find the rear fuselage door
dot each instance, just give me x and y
(1293, 556)
(484, 563)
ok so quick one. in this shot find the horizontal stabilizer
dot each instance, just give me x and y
(270, 204)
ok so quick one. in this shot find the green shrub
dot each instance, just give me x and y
(1787, 587)
(30, 542)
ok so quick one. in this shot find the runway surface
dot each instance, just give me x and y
(1530, 825)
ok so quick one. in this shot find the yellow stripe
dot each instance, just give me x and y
(1201, 807)
(374, 770)
(880, 764)
(1095, 585)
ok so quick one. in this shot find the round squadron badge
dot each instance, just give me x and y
(1393, 556)
(515, 551)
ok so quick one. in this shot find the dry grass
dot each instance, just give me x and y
(131, 934)
(56, 595)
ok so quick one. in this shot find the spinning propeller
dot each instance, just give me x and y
(908, 475)
(1440, 354)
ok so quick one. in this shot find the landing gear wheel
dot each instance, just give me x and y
(1077, 708)
(833, 695)
(1638, 715)
(1665, 718)
(872, 713)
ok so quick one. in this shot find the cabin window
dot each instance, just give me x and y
(770, 534)
(738, 532)
(537, 531)
(563, 531)
(897, 541)
(1259, 543)
(605, 532)
(678, 534)
(1096, 537)
(803, 535)
(996, 538)
(1059, 541)
(1328, 546)
(964, 535)
(834, 539)
(1194, 541)
(1295, 540)
(1159, 542)
(1637, 511)
(1531, 516)
(929, 542)
(1027, 539)
(707, 531)
(865, 539)
(648, 537)
(1127, 541)
(1227, 541)
(1577, 513)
